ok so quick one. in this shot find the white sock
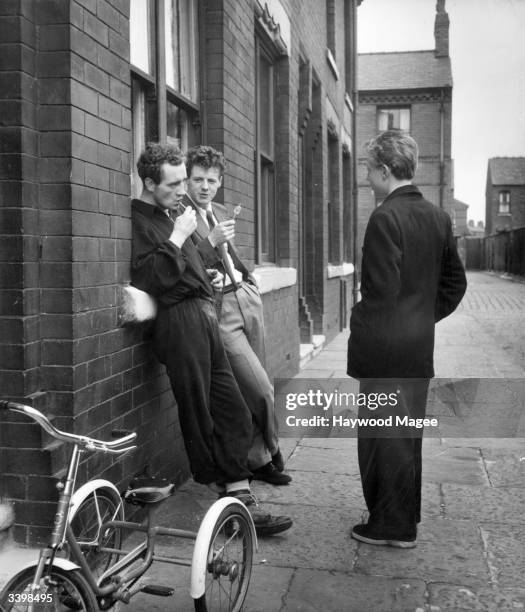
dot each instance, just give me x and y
(238, 485)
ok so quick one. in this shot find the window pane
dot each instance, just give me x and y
(177, 126)
(267, 214)
(139, 32)
(393, 119)
(265, 117)
(138, 113)
(182, 46)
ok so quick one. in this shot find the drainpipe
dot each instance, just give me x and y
(355, 186)
(441, 151)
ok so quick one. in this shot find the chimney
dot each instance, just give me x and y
(441, 29)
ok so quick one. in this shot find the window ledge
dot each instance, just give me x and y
(348, 102)
(343, 269)
(272, 278)
(331, 62)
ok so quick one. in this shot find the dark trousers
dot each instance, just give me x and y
(390, 458)
(215, 421)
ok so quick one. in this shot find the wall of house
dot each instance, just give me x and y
(500, 222)
(65, 163)
(426, 130)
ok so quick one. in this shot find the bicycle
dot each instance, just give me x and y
(84, 566)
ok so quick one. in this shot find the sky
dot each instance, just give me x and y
(487, 51)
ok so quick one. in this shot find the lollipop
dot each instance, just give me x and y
(237, 211)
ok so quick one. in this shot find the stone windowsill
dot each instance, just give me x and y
(345, 269)
(272, 278)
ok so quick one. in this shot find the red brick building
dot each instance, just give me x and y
(505, 194)
(85, 84)
(411, 91)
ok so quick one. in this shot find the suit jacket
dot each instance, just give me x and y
(411, 277)
(210, 255)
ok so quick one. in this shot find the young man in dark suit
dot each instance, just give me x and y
(411, 277)
(215, 421)
(241, 314)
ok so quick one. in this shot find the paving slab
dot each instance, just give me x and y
(447, 551)
(505, 468)
(319, 538)
(455, 598)
(484, 504)
(315, 591)
(505, 553)
(453, 464)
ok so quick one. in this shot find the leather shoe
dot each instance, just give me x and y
(269, 473)
(265, 524)
(365, 533)
(278, 461)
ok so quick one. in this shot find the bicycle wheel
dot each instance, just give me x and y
(59, 591)
(94, 508)
(228, 545)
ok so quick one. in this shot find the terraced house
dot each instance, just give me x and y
(85, 84)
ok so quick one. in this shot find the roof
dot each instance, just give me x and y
(403, 70)
(507, 170)
(459, 204)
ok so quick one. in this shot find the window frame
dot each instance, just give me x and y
(504, 203)
(388, 108)
(266, 237)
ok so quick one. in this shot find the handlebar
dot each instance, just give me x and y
(90, 444)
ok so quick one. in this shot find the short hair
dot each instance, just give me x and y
(204, 156)
(396, 150)
(154, 156)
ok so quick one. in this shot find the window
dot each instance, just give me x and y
(165, 91)
(138, 114)
(182, 47)
(330, 26)
(140, 28)
(504, 203)
(333, 194)
(348, 254)
(265, 153)
(391, 118)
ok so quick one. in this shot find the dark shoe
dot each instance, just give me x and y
(363, 533)
(265, 524)
(269, 473)
(278, 461)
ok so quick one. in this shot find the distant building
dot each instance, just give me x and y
(475, 229)
(459, 217)
(411, 91)
(505, 194)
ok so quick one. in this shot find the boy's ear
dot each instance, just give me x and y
(149, 184)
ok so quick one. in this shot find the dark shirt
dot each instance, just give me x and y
(158, 266)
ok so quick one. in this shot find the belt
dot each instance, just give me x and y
(231, 287)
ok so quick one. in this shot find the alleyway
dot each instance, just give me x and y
(470, 546)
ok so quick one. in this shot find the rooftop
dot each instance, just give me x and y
(507, 170)
(403, 70)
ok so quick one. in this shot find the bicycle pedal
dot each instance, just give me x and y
(158, 589)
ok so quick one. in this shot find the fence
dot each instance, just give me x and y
(502, 252)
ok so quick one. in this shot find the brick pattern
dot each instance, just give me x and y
(67, 187)
(65, 157)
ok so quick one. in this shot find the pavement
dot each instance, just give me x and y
(470, 554)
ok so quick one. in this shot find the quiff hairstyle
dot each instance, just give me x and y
(397, 151)
(154, 156)
(206, 157)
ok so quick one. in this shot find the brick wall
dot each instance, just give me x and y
(65, 214)
(65, 154)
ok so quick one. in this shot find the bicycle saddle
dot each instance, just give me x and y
(144, 490)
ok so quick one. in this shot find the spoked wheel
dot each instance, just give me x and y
(59, 591)
(223, 556)
(96, 508)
